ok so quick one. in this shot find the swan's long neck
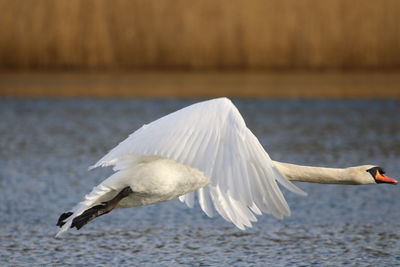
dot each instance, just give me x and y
(315, 174)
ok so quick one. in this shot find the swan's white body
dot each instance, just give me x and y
(154, 179)
(206, 149)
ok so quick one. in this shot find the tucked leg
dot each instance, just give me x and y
(96, 211)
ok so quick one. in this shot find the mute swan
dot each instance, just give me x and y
(204, 148)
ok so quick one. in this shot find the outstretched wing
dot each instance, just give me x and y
(212, 137)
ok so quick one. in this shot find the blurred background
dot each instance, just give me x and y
(163, 48)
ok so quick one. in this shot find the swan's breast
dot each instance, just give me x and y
(160, 180)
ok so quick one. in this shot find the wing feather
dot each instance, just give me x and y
(205, 201)
(212, 137)
(189, 199)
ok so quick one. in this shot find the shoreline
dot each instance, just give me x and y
(201, 84)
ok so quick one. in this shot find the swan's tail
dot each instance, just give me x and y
(99, 193)
(102, 199)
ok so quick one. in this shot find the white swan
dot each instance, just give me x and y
(204, 148)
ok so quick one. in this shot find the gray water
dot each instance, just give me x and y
(46, 146)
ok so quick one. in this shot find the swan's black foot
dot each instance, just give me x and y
(63, 216)
(95, 211)
(90, 214)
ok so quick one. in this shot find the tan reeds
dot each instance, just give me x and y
(207, 34)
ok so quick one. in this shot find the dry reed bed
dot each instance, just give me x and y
(208, 34)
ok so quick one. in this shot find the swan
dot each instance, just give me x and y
(204, 149)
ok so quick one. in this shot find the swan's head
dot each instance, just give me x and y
(369, 174)
(379, 176)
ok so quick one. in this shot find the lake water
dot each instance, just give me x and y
(47, 145)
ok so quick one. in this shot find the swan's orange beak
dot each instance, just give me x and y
(381, 178)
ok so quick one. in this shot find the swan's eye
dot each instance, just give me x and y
(374, 170)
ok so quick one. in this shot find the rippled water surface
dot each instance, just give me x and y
(46, 146)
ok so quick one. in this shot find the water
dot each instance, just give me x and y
(46, 146)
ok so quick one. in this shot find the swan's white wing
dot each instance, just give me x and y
(212, 137)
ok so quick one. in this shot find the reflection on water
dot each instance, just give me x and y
(46, 146)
